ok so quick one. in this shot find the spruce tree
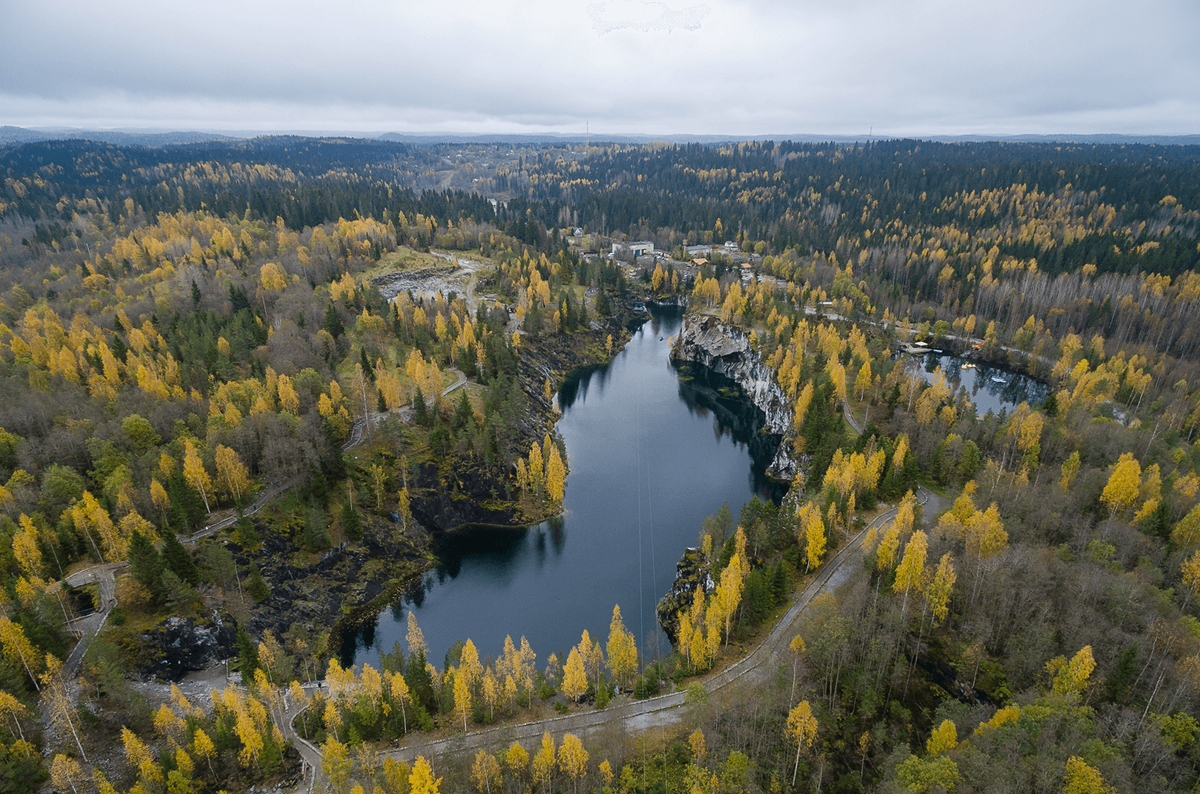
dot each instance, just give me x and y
(366, 364)
(145, 563)
(420, 410)
(350, 522)
(177, 559)
(247, 655)
(333, 321)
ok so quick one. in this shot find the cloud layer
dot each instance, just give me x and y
(620, 66)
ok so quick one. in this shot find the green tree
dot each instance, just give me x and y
(141, 433)
(179, 560)
(247, 655)
(938, 773)
(256, 586)
(177, 593)
(351, 523)
(332, 323)
(145, 563)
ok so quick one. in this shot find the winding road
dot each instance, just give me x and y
(89, 626)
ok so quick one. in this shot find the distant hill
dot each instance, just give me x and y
(120, 138)
(11, 135)
(600, 137)
(1158, 140)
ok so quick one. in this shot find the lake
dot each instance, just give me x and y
(988, 387)
(653, 449)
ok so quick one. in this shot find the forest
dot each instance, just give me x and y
(196, 335)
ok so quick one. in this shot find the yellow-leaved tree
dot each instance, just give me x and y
(1081, 778)
(910, 574)
(810, 531)
(1070, 677)
(231, 472)
(573, 759)
(622, 649)
(1123, 484)
(937, 595)
(543, 761)
(802, 728)
(574, 683)
(485, 772)
(556, 475)
(195, 473)
(1190, 572)
(422, 781)
(1070, 469)
(462, 696)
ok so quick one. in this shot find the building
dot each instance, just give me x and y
(640, 248)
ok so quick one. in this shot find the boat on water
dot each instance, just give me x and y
(968, 365)
(998, 379)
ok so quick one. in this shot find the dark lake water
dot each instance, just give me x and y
(653, 449)
(988, 387)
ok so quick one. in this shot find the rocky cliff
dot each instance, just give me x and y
(708, 341)
(691, 572)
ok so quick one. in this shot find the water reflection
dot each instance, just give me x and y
(987, 386)
(706, 393)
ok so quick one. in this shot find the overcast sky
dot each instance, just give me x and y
(839, 67)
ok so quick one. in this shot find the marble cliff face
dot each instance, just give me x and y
(726, 350)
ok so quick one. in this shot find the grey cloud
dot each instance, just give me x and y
(751, 67)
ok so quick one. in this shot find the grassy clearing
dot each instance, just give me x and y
(405, 258)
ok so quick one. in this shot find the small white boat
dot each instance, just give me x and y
(968, 365)
(998, 379)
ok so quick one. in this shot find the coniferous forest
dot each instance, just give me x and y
(243, 385)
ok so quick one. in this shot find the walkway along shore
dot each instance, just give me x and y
(659, 710)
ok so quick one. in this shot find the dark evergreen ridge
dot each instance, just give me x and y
(768, 191)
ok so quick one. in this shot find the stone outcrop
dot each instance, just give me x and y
(691, 572)
(178, 646)
(724, 349)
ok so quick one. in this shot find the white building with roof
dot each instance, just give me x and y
(639, 248)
